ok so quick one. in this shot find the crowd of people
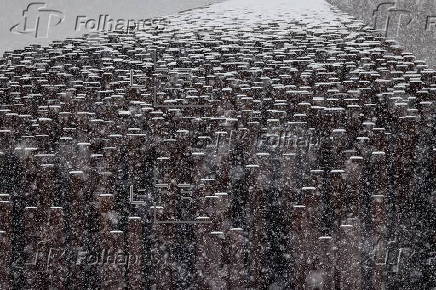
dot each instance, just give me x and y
(141, 142)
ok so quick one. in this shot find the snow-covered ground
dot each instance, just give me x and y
(315, 14)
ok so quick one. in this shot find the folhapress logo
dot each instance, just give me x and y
(37, 20)
(390, 19)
